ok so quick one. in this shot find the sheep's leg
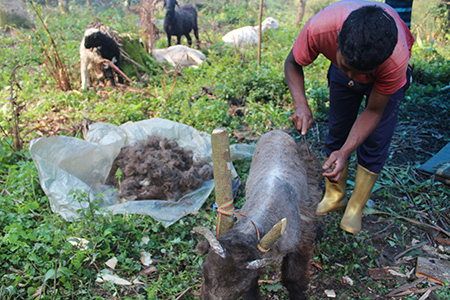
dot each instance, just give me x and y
(196, 37)
(189, 40)
(85, 82)
(119, 77)
(295, 272)
(169, 37)
(253, 293)
(179, 39)
(109, 74)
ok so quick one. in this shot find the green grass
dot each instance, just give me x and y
(36, 259)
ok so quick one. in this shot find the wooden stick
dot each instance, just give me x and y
(112, 65)
(222, 176)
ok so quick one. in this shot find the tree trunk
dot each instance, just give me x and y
(301, 12)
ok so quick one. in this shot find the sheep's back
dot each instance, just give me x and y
(278, 186)
(242, 36)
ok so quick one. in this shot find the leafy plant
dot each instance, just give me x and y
(37, 257)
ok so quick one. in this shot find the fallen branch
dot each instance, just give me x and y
(183, 293)
(435, 227)
(127, 57)
(405, 288)
(112, 65)
(401, 254)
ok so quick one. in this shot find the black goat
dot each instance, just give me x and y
(180, 21)
(107, 48)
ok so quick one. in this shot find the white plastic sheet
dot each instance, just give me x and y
(68, 166)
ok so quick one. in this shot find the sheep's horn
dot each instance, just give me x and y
(259, 263)
(212, 240)
(273, 235)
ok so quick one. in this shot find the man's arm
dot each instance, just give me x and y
(363, 126)
(302, 117)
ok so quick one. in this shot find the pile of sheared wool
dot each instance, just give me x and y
(157, 169)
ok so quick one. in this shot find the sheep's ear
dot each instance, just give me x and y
(259, 263)
(202, 247)
(212, 240)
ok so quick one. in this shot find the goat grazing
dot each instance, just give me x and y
(180, 21)
(248, 35)
(281, 200)
(179, 55)
(94, 47)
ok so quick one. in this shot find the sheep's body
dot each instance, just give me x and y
(95, 46)
(248, 35)
(180, 21)
(179, 55)
(281, 184)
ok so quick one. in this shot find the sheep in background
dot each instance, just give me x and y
(179, 55)
(94, 47)
(180, 21)
(248, 35)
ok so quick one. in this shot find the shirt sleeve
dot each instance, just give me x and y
(390, 79)
(304, 49)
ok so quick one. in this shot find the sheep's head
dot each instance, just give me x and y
(270, 23)
(226, 275)
(92, 38)
(232, 267)
(170, 4)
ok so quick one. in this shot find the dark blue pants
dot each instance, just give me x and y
(345, 103)
(403, 8)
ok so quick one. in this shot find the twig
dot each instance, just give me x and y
(112, 65)
(183, 293)
(435, 227)
(401, 254)
(127, 57)
(405, 287)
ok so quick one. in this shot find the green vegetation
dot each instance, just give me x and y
(36, 259)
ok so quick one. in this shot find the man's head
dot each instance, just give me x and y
(367, 38)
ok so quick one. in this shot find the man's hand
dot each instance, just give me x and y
(302, 119)
(334, 166)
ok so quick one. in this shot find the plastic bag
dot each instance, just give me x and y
(70, 167)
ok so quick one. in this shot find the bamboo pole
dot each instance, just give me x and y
(222, 176)
(260, 31)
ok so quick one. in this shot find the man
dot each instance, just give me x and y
(369, 47)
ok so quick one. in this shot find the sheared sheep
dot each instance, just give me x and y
(281, 193)
(179, 55)
(248, 35)
(180, 21)
(157, 169)
(94, 47)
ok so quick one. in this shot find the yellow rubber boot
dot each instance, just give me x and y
(334, 198)
(364, 182)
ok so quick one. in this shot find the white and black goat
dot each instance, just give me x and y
(248, 35)
(180, 21)
(94, 47)
(282, 186)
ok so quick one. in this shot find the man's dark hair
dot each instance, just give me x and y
(368, 37)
